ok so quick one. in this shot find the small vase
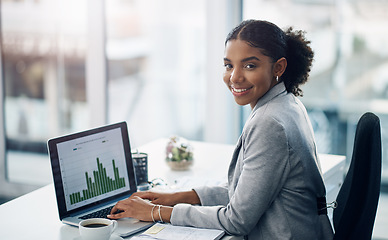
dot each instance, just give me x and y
(181, 165)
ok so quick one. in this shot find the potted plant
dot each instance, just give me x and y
(179, 154)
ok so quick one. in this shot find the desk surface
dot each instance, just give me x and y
(35, 216)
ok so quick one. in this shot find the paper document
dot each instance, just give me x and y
(168, 232)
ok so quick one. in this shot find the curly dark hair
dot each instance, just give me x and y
(276, 43)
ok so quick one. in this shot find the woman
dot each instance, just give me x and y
(275, 189)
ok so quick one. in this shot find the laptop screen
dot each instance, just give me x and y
(92, 166)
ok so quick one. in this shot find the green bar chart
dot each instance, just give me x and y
(102, 183)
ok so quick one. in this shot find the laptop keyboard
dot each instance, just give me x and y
(98, 214)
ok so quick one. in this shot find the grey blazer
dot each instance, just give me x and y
(274, 178)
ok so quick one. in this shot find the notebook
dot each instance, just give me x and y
(92, 170)
(168, 231)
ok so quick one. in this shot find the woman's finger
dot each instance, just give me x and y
(116, 215)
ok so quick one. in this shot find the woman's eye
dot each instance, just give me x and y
(228, 66)
(250, 66)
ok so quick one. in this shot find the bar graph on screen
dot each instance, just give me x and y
(102, 183)
(92, 168)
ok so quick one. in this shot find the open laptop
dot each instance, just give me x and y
(92, 170)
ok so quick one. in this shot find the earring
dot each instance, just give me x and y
(277, 78)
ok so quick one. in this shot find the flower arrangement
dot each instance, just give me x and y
(179, 154)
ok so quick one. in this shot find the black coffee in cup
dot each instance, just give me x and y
(95, 225)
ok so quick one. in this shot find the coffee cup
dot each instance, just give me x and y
(97, 228)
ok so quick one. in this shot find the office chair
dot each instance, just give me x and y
(357, 200)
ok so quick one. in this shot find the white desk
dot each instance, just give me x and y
(35, 216)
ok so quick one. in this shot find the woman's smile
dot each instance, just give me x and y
(240, 91)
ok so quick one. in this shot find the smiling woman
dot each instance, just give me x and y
(274, 48)
(274, 177)
(250, 77)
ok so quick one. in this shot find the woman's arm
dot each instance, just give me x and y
(261, 170)
(213, 195)
(170, 199)
(138, 207)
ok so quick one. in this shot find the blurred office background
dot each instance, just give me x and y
(70, 65)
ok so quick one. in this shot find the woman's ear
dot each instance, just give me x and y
(279, 67)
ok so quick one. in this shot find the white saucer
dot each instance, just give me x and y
(113, 237)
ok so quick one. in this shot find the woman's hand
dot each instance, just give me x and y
(141, 209)
(142, 204)
(133, 207)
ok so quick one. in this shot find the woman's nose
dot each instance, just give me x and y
(236, 76)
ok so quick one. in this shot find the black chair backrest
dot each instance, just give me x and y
(358, 197)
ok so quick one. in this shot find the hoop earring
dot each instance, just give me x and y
(277, 78)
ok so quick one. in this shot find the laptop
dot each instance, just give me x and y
(92, 170)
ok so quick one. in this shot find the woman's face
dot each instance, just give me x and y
(248, 73)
